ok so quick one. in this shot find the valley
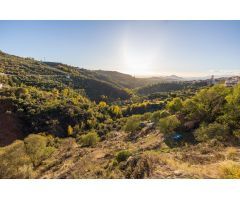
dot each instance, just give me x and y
(60, 121)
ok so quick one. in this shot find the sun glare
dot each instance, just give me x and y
(138, 63)
(138, 59)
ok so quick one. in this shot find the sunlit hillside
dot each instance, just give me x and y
(60, 121)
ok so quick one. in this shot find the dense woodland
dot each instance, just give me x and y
(111, 125)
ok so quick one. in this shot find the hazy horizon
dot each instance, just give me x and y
(138, 48)
(216, 74)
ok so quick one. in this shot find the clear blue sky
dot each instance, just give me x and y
(185, 48)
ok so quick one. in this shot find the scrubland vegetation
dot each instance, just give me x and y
(91, 126)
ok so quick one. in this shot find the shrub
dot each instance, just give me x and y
(89, 139)
(230, 170)
(123, 155)
(70, 130)
(231, 153)
(14, 162)
(142, 166)
(207, 105)
(169, 124)
(232, 116)
(102, 104)
(37, 148)
(133, 123)
(156, 116)
(236, 133)
(175, 105)
(146, 116)
(115, 111)
(212, 131)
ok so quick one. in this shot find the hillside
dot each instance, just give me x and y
(120, 79)
(128, 81)
(171, 86)
(96, 83)
(59, 121)
(47, 75)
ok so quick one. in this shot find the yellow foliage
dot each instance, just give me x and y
(102, 104)
(230, 170)
(70, 130)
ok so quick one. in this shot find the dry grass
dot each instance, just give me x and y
(192, 171)
(230, 170)
(231, 153)
(150, 158)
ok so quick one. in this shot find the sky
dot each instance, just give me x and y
(139, 48)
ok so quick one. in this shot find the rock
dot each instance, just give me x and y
(178, 172)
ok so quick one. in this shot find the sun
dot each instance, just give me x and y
(138, 61)
(138, 65)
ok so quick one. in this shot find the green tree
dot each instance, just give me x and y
(232, 112)
(207, 105)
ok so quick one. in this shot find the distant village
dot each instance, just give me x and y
(232, 81)
(228, 82)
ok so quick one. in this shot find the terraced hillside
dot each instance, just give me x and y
(47, 75)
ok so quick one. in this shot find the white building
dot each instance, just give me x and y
(212, 80)
(230, 82)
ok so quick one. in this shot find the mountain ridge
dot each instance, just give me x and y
(48, 75)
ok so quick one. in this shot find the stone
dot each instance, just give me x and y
(178, 172)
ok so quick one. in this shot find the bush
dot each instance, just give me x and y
(123, 155)
(156, 116)
(230, 170)
(69, 130)
(102, 104)
(212, 131)
(133, 123)
(14, 162)
(236, 133)
(38, 149)
(142, 166)
(89, 139)
(146, 116)
(169, 124)
(115, 111)
(175, 105)
(207, 105)
(231, 153)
